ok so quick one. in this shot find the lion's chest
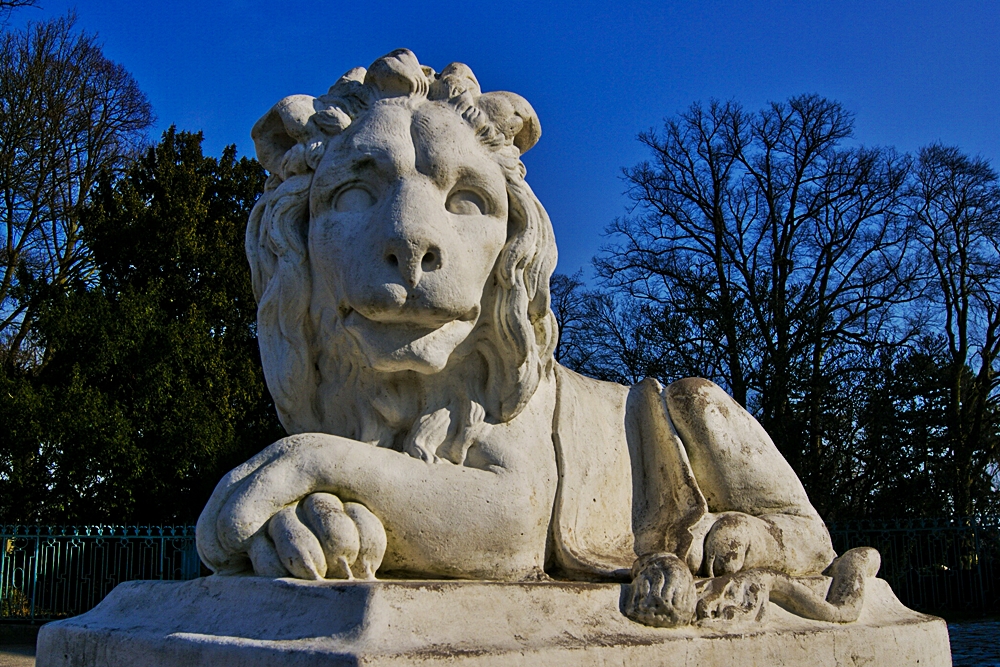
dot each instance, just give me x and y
(523, 447)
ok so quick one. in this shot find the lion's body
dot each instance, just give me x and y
(401, 265)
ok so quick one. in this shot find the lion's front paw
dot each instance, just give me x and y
(662, 592)
(322, 537)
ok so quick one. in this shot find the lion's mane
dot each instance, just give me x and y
(313, 369)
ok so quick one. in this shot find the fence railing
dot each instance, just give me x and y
(933, 564)
(49, 572)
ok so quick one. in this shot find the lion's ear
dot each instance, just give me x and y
(513, 116)
(286, 124)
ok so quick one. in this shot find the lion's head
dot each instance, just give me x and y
(400, 261)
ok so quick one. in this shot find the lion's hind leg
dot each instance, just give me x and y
(740, 472)
(664, 594)
(744, 596)
(845, 596)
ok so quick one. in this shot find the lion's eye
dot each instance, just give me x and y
(465, 202)
(353, 199)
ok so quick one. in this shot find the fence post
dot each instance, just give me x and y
(4, 585)
(34, 574)
(979, 570)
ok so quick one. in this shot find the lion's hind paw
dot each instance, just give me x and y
(733, 598)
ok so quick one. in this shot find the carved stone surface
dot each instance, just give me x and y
(401, 265)
(257, 622)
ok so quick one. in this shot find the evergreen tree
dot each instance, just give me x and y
(150, 385)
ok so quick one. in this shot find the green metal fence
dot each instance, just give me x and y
(933, 565)
(51, 572)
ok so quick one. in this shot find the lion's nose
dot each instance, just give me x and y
(413, 260)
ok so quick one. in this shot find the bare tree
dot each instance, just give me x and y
(569, 304)
(675, 253)
(782, 252)
(67, 113)
(955, 201)
(8, 6)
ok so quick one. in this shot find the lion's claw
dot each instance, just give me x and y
(337, 533)
(373, 539)
(299, 550)
(264, 557)
(320, 537)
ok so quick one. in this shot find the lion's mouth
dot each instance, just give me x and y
(410, 317)
(393, 342)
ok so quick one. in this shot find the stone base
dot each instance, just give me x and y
(257, 622)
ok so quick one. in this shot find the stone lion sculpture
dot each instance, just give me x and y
(401, 265)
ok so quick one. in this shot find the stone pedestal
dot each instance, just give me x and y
(258, 622)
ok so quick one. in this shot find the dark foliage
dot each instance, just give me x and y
(150, 385)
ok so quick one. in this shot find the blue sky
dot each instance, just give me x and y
(597, 73)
